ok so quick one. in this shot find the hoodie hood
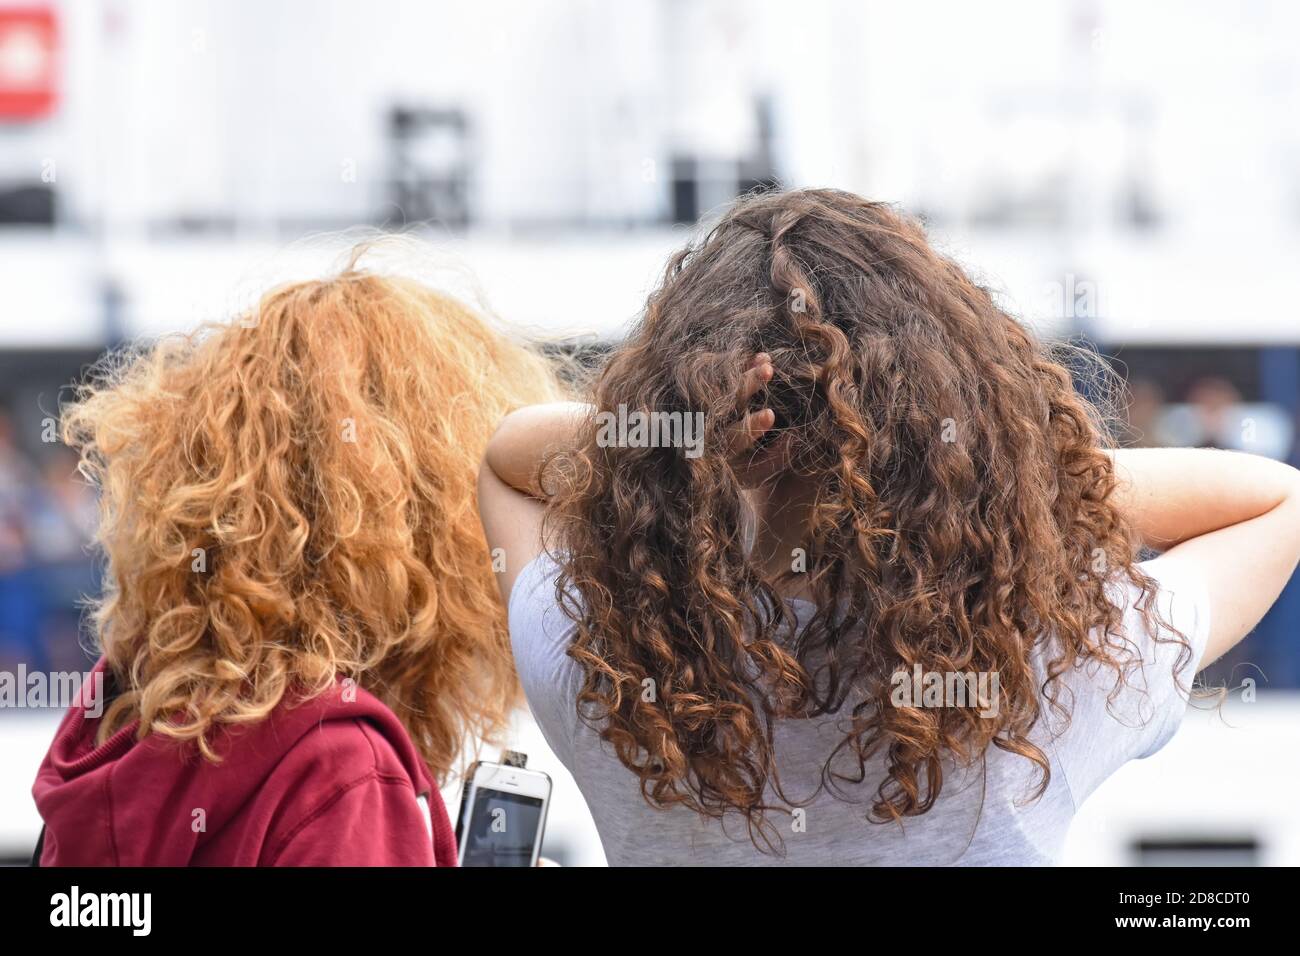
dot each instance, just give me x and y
(157, 802)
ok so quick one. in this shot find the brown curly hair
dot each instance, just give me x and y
(961, 516)
(290, 496)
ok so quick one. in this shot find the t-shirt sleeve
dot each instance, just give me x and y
(1104, 732)
(540, 634)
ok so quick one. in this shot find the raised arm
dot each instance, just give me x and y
(510, 501)
(510, 498)
(1229, 518)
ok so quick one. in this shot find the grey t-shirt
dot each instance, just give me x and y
(980, 818)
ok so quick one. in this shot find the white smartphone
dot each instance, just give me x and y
(502, 815)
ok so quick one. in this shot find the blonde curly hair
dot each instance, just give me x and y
(290, 497)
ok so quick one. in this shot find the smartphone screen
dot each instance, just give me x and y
(501, 828)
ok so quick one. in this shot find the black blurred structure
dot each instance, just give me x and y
(1242, 850)
(430, 161)
(27, 205)
(697, 184)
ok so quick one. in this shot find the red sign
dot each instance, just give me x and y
(29, 46)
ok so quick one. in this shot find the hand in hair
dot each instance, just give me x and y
(753, 463)
(515, 477)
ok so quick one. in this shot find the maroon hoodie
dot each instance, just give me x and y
(332, 781)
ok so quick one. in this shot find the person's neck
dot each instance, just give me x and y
(780, 511)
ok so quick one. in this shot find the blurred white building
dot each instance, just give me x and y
(1131, 144)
